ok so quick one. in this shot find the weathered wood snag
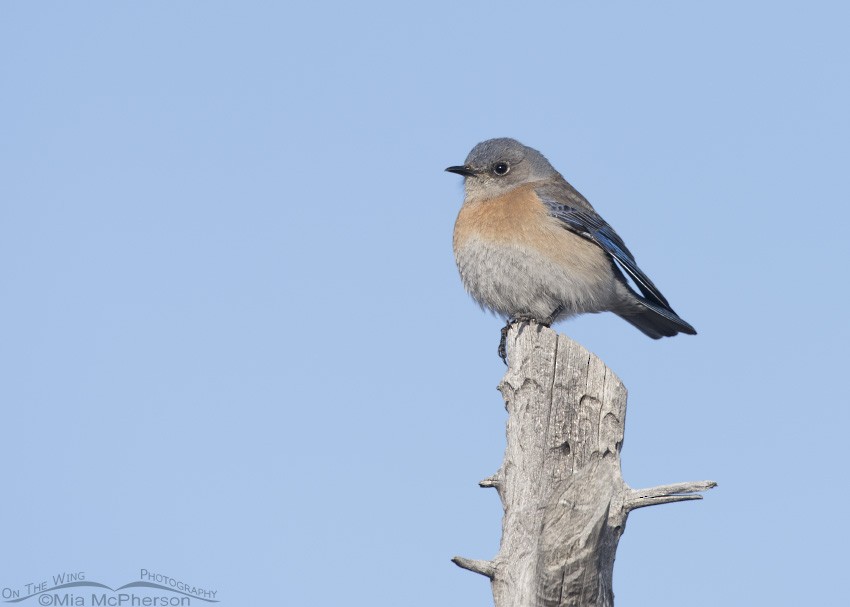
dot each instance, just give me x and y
(560, 483)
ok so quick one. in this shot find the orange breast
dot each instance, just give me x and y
(520, 219)
(515, 217)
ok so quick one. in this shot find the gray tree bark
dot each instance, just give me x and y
(560, 483)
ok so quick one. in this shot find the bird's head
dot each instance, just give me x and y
(497, 166)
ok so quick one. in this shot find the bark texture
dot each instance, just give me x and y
(564, 498)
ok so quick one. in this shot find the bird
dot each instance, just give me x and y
(531, 248)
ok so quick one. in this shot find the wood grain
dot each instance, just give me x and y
(560, 482)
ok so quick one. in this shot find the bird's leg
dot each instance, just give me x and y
(547, 322)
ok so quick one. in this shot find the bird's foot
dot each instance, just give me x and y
(503, 349)
(523, 320)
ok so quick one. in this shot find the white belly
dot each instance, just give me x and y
(514, 281)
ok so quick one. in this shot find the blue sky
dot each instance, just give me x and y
(235, 346)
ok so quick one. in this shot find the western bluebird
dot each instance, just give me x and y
(529, 247)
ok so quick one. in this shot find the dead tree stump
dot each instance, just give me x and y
(560, 483)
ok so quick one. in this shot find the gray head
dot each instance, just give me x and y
(496, 166)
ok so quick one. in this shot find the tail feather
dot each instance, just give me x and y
(654, 320)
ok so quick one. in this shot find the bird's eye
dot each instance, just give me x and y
(501, 168)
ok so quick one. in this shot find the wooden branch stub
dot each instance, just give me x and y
(490, 481)
(665, 494)
(485, 568)
(560, 483)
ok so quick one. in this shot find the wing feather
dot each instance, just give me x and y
(578, 216)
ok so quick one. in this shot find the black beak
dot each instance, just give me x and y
(461, 170)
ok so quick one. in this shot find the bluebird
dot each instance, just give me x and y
(531, 248)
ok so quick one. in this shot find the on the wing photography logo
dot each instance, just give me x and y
(73, 589)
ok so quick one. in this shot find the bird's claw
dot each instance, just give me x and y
(523, 321)
(503, 349)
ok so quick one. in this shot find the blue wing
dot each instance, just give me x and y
(578, 216)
